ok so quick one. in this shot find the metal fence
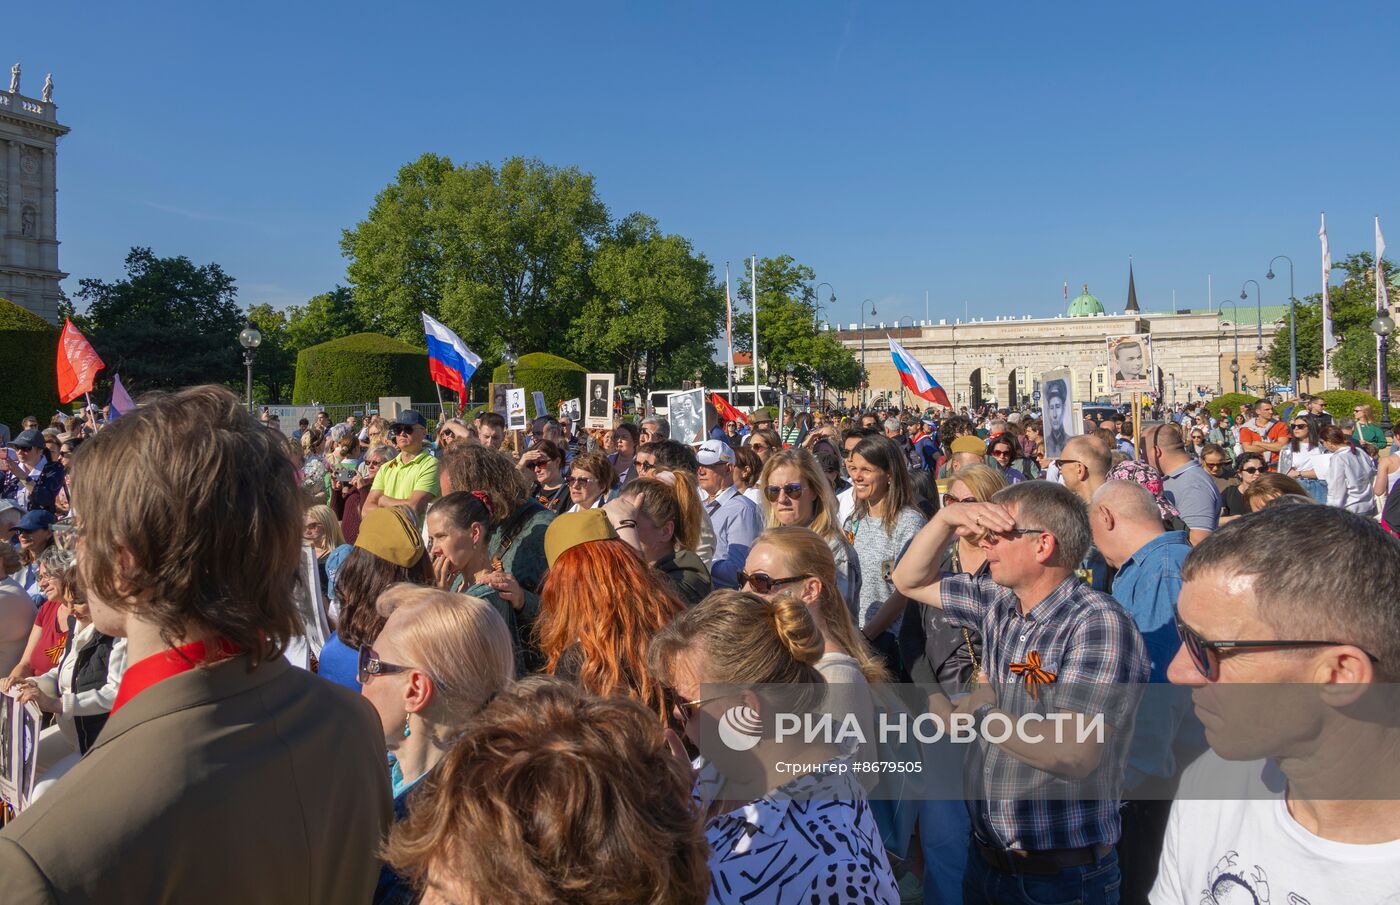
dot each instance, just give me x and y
(290, 415)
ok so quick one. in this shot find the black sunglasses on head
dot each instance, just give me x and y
(1207, 665)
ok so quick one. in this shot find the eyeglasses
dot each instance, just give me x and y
(579, 481)
(1002, 453)
(758, 447)
(1061, 463)
(687, 709)
(1300, 427)
(1253, 469)
(311, 526)
(1209, 666)
(371, 665)
(373, 463)
(847, 453)
(1213, 465)
(645, 466)
(542, 463)
(997, 536)
(949, 499)
(764, 583)
(793, 490)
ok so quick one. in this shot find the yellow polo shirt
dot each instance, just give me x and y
(400, 480)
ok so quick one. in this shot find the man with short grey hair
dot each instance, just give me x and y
(1291, 666)
(655, 428)
(1052, 642)
(1184, 482)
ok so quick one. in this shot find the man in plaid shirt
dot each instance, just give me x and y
(1046, 829)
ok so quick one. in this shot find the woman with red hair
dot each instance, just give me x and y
(599, 608)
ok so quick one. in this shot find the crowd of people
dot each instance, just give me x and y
(527, 631)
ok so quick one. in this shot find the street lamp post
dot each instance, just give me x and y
(1383, 326)
(1292, 322)
(864, 377)
(1259, 322)
(1235, 326)
(249, 338)
(816, 328)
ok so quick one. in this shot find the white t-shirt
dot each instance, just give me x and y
(1227, 852)
(846, 500)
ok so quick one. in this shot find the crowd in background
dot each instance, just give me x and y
(523, 626)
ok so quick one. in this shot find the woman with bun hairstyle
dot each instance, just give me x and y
(820, 820)
(659, 517)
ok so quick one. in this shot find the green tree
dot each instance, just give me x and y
(788, 339)
(169, 323)
(330, 315)
(275, 364)
(656, 306)
(1353, 308)
(499, 255)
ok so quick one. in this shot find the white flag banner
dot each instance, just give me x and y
(1329, 342)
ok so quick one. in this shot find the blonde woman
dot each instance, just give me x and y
(797, 562)
(974, 484)
(321, 530)
(734, 638)
(797, 494)
(439, 659)
(659, 518)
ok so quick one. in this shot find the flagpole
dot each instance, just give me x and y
(729, 332)
(753, 288)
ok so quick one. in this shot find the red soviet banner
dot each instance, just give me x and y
(78, 363)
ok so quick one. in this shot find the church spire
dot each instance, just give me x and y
(1132, 290)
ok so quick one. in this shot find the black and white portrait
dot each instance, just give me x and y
(1056, 412)
(599, 404)
(499, 403)
(572, 410)
(1130, 362)
(686, 414)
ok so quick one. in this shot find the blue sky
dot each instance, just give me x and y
(983, 154)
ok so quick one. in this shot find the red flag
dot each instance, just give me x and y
(78, 364)
(726, 411)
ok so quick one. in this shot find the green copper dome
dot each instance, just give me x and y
(1085, 304)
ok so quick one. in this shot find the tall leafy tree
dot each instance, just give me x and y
(327, 316)
(275, 364)
(1353, 308)
(655, 308)
(169, 323)
(501, 255)
(789, 342)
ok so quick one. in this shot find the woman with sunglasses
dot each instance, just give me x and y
(1248, 468)
(321, 530)
(1196, 442)
(49, 633)
(1223, 433)
(348, 496)
(436, 662)
(734, 638)
(388, 551)
(543, 465)
(1304, 458)
(797, 494)
(765, 442)
(1002, 451)
(591, 480)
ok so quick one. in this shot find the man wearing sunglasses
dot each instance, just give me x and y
(411, 477)
(734, 516)
(1298, 806)
(1051, 640)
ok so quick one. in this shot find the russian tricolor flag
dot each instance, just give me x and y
(918, 380)
(450, 362)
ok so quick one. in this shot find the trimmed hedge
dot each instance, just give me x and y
(1340, 403)
(361, 368)
(558, 378)
(28, 373)
(1231, 401)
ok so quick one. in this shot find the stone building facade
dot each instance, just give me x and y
(1001, 359)
(29, 134)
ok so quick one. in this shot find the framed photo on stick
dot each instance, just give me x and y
(598, 411)
(686, 414)
(1057, 389)
(1130, 363)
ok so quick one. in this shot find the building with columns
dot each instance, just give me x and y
(1001, 359)
(29, 134)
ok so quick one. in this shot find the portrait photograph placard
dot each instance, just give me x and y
(1057, 413)
(686, 414)
(516, 417)
(1130, 362)
(598, 389)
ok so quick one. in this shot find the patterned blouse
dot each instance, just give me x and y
(811, 840)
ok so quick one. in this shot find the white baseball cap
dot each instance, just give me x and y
(713, 452)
